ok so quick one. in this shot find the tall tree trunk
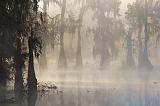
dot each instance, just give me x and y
(104, 58)
(79, 52)
(19, 64)
(71, 49)
(147, 64)
(104, 52)
(32, 80)
(79, 61)
(140, 51)
(3, 74)
(3, 81)
(130, 61)
(19, 67)
(62, 63)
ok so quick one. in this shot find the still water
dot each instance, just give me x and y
(99, 88)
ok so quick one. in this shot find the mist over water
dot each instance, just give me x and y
(92, 86)
(90, 53)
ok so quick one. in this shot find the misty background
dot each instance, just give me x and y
(80, 52)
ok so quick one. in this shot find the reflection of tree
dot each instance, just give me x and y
(32, 98)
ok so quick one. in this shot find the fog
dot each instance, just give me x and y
(91, 86)
(94, 52)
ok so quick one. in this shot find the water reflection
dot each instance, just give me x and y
(107, 88)
(20, 98)
(102, 97)
(81, 96)
(99, 88)
(32, 98)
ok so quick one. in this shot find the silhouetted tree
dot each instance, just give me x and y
(138, 13)
(16, 24)
(146, 62)
(83, 9)
(62, 62)
(108, 31)
(130, 62)
(35, 47)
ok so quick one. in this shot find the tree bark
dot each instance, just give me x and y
(32, 80)
(3, 74)
(19, 67)
(3, 81)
